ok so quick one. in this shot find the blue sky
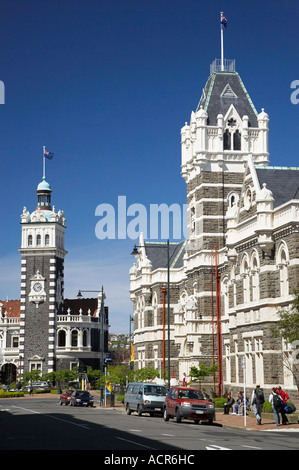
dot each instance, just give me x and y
(107, 86)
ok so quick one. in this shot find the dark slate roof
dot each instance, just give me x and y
(85, 304)
(157, 254)
(223, 89)
(282, 181)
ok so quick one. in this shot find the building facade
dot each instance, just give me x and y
(240, 261)
(43, 330)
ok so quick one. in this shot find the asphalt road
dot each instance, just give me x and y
(42, 424)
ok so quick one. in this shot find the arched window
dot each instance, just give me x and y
(85, 338)
(61, 338)
(29, 240)
(255, 277)
(47, 239)
(38, 240)
(226, 140)
(237, 140)
(74, 338)
(246, 279)
(283, 261)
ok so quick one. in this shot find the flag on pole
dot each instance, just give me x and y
(48, 155)
(223, 21)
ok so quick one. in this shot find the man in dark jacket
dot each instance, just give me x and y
(257, 400)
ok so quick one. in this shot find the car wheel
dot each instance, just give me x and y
(128, 409)
(139, 410)
(196, 421)
(165, 414)
(178, 416)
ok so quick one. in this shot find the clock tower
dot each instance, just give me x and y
(42, 281)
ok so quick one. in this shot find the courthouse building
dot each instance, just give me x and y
(239, 263)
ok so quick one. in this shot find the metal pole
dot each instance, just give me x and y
(222, 55)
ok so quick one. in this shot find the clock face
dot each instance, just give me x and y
(37, 287)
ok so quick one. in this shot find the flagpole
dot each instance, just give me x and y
(44, 163)
(221, 28)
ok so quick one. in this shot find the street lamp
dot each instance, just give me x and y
(79, 296)
(135, 253)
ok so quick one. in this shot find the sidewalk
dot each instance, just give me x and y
(237, 421)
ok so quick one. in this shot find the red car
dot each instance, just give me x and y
(65, 397)
(188, 403)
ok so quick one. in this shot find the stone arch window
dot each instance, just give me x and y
(29, 240)
(61, 338)
(85, 338)
(246, 279)
(232, 136)
(226, 140)
(74, 338)
(38, 240)
(155, 309)
(255, 276)
(47, 239)
(283, 261)
(237, 140)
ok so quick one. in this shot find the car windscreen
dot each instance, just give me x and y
(192, 394)
(154, 390)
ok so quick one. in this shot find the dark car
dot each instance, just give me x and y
(81, 398)
(188, 403)
(65, 397)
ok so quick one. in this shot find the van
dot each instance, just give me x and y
(144, 398)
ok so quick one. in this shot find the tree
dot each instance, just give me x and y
(288, 329)
(200, 373)
(288, 325)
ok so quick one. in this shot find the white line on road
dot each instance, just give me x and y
(135, 443)
(53, 417)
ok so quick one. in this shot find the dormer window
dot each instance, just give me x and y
(231, 136)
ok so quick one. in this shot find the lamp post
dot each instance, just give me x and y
(79, 296)
(135, 253)
(130, 339)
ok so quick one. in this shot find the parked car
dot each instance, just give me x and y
(81, 398)
(65, 397)
(144, 398)
(188, 403)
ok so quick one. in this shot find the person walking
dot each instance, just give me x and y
(284, 398)
(257, 400)
(276, 402)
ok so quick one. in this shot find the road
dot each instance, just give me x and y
(41, 424)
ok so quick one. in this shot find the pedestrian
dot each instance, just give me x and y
(238, 404)
(284, 398)
(184, 380)
(257, 400)
(30, 389)
(228, 404)
(276, 402)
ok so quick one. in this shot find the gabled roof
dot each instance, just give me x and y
(282, 181)
(157, 254)
(11, 308)
(223, 89)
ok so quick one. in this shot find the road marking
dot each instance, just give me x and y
(214, 447)
(135, 443)
(53, 417)
(170, 435)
